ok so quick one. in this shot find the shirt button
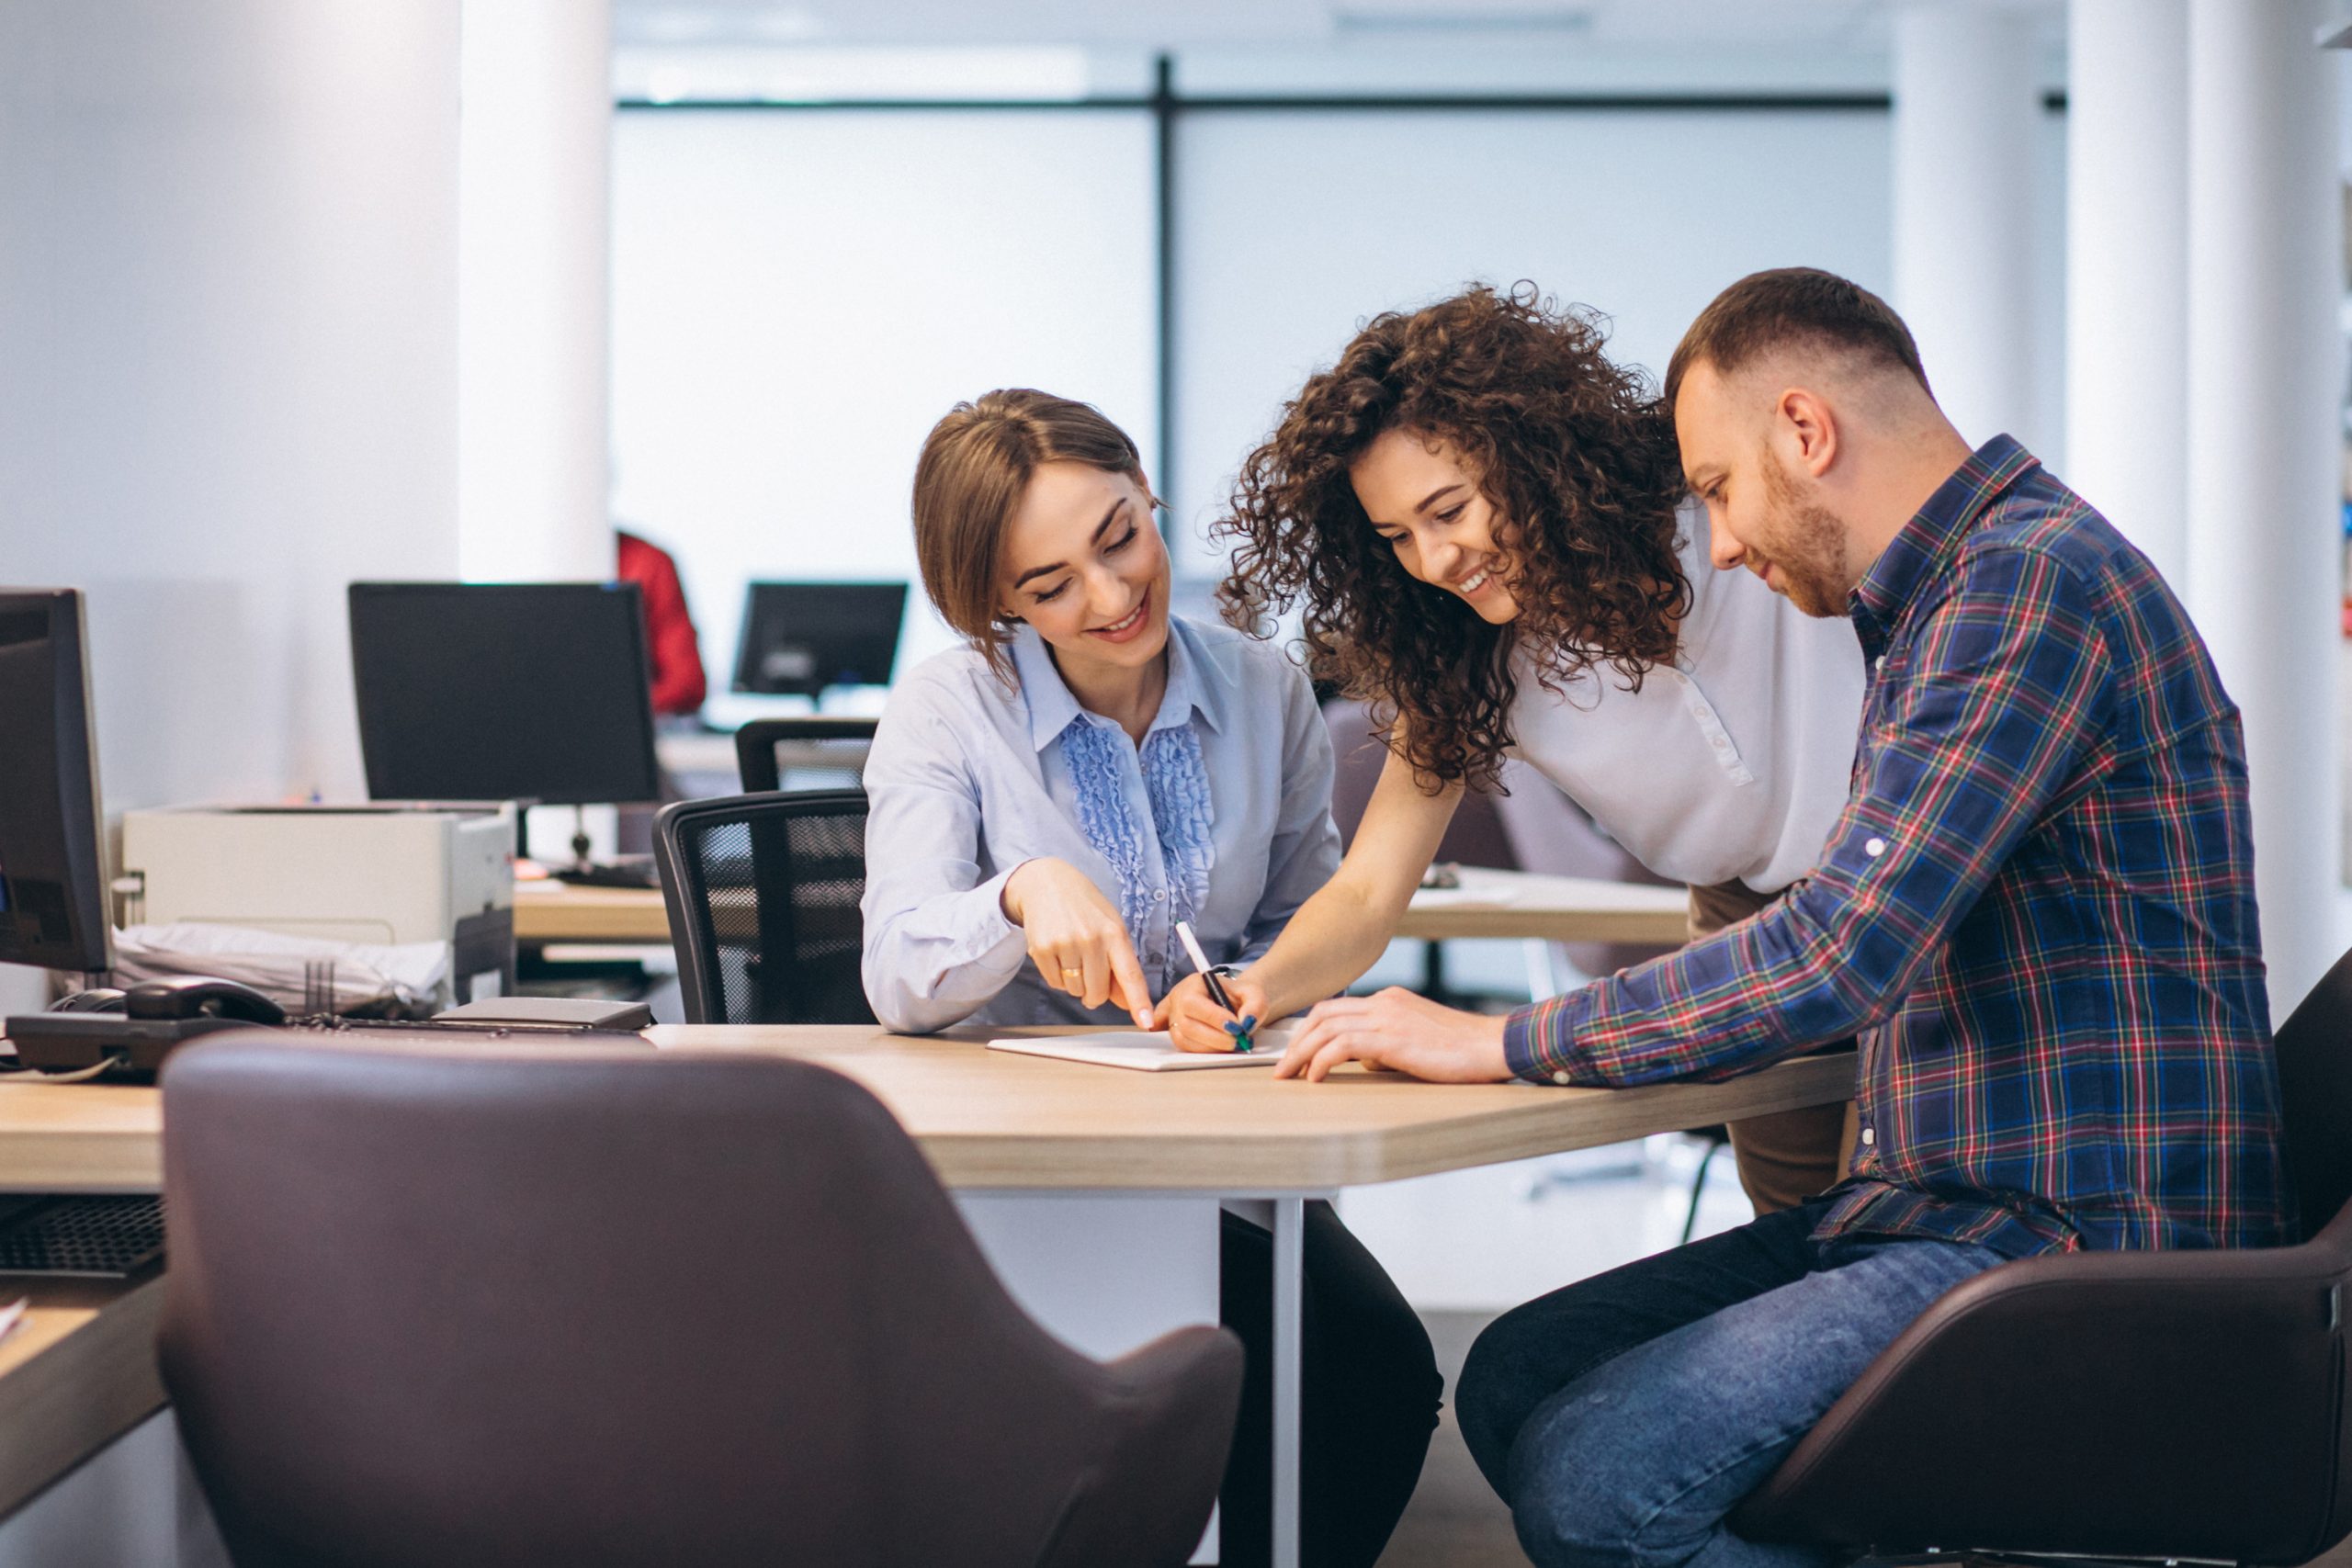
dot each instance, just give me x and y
(1880, 662)
(1721, 744)
(1874, 847)
(1869, 1135)
(1560, 1075)
(1161, 896)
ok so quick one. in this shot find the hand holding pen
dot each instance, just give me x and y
(1213, 1010)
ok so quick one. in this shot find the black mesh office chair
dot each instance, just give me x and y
(817, 753)
(762, 893)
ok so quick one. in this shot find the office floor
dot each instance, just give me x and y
(1464, 1247)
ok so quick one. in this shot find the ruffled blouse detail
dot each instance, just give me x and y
(1176, 787)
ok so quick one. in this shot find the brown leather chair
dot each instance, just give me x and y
(2159, 1404)
(448, 1304)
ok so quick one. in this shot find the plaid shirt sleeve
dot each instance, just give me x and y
(1972, 734)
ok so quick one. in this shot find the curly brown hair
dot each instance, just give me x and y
(1576, 454)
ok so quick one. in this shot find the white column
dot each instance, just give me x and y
(534, 290)
(2265, 359)
(228, 360)
(2127, 270)
(1967, 102)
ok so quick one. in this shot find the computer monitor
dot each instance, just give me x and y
(803, 637)
(533, 692)
(52, 848)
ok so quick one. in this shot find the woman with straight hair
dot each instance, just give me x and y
(1486, 522)
(1048, 801)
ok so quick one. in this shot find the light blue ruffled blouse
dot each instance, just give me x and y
(1222, 817)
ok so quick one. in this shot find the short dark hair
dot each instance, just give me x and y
(1794, 306)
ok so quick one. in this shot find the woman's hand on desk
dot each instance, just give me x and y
(1399, 1031)
(1195, 1021)
(1076, 939)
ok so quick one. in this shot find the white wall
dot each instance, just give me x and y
(534, 271)
(1296, 226)
(228, 303)
(797, 298)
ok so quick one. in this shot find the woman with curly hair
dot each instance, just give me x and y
(1484, 518)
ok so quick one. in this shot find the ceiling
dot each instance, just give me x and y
(1827, 24)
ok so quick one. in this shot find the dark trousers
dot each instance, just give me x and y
(1370, 1392)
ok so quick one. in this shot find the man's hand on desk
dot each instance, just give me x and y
(1400, 1032)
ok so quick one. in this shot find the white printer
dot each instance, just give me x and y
(390, 871)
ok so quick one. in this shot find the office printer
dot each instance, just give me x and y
(388, 872)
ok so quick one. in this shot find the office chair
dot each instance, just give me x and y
(762, 893)
(573, 1306)
(2154, 1404)
(833, 750)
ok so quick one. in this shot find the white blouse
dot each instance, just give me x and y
(1735, 763)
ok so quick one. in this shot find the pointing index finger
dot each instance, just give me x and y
(1127, 975)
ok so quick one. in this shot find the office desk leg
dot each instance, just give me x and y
(1290, 1238)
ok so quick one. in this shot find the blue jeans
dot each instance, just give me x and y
(1624, 1416)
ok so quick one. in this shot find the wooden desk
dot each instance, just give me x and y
(1506, 904)
(1094, 1192)
(1520, 906)
(556, 911)
(78, 1373)
(992, 1120)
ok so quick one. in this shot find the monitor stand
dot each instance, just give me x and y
(584, 873)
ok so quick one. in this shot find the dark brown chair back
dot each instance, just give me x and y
(2189, 1404)
(455, 1304)
(2315, 1049)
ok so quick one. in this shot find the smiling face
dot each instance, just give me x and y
(1424, 501)
(1761, 513)
(1082, 563)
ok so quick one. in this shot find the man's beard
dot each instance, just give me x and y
(1808, 544)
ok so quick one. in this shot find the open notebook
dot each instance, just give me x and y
(1149, 1052)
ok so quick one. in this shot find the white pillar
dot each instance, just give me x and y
(2127, 270)
(228, 360)
(1967, 104)
(534, 290)
(2265, 357)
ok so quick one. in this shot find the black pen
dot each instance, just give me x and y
(1214, 974)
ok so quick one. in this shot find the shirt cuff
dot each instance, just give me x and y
(1522, 1035)
(992, 940)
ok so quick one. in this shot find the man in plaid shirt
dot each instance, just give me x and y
(2037, 912)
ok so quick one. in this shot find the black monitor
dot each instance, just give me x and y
(52, 854)
(802, 638)
(532, 691)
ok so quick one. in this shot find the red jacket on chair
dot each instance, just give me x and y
(670, 648)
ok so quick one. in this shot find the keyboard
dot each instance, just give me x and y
(618, 873)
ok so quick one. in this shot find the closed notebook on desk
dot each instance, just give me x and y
(1148, 1052)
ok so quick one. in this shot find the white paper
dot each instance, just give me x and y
(274, 965)
(1148, 1052)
